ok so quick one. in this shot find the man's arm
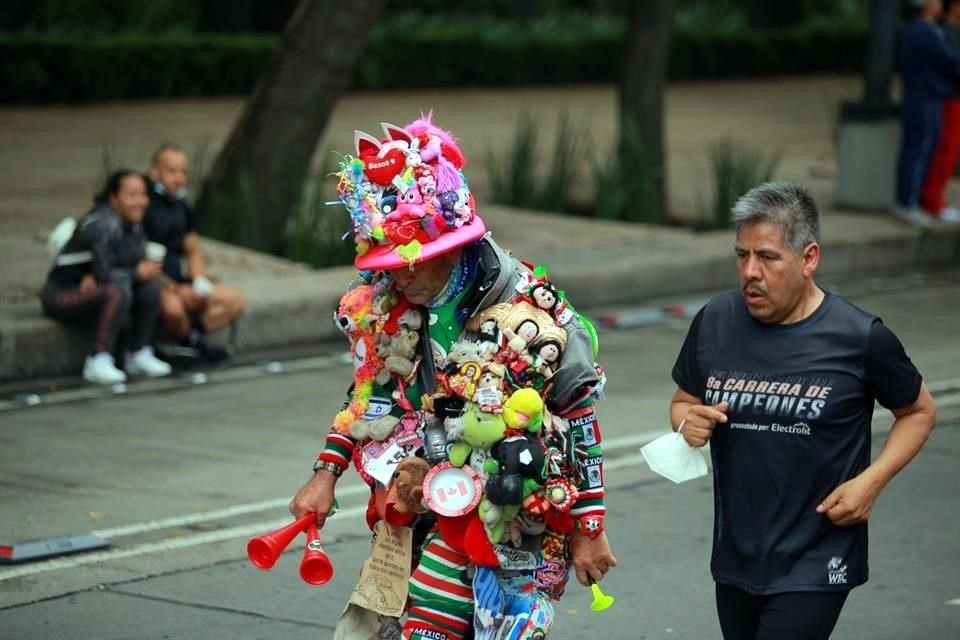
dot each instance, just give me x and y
(852, 502)
(196, 263)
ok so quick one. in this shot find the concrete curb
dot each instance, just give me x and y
(290, 305)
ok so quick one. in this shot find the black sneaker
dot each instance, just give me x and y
(213, 353)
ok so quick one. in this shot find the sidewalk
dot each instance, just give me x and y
(50, 164)
(597, 263)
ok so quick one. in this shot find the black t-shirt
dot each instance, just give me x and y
(801, 402)
(167, 221)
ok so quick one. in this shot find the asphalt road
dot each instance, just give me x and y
(177, 475)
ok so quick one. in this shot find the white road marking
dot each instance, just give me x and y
(172, 544)
(612, 444)
(205, 516)
(955, 602)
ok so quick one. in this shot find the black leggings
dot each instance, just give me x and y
(802, 615)
(107, 308)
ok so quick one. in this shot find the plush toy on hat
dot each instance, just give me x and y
(406, 195)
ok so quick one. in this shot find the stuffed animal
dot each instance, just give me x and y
(376, 429)
(520, 456)
(481, 430)
(489, 395)
(355, 317)
(398, 352)
(406, 489)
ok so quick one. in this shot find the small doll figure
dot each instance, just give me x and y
(490, 388)
(545, 296)
(547, 350)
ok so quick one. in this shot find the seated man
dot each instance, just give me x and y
(191, 305)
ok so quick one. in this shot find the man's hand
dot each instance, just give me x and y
(851, 502)
(592, 557)
(315, 496)
(192, 301)
(89, 283)
(700, 421)
(148, 270)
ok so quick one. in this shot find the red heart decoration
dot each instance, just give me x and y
(381, 170)
(401, 231)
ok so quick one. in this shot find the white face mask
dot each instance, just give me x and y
(674, 459)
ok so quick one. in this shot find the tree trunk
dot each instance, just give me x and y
(258, 177)
(645, 68)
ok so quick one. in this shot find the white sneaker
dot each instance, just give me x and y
(950, 215)
(144, 363)
(99, 369)
(914, 216)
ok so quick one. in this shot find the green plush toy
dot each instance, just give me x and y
(481, 430)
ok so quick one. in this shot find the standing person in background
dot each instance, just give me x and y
(100, 278)
(948, 148)
(930, 72)
(192, 305)
(781, 378)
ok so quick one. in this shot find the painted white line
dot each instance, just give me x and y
(168, 545)
(954, 603)
(138, 528)
(612, 444)
(252, 529)
(205, 516)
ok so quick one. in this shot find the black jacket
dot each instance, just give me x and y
(106, 245)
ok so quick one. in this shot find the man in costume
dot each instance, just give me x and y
(472, 414)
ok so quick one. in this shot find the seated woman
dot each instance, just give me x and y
(101, 279)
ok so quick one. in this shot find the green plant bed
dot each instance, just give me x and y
(449, 52)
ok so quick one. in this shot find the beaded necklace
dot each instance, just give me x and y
(460, 276)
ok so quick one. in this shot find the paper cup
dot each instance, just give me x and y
(156, 251)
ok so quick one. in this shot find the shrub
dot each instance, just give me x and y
(514, 177)
(735, 171)
(449, 52)
(624, 185)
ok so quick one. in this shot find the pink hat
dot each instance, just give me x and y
(406, 195)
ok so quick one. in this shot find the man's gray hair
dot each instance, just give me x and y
(788, 206)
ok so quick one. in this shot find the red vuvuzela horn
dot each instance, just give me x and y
(315, 568)
(264, 550)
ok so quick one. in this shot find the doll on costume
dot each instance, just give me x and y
(489, 395)
(544, 296)
(547, 351)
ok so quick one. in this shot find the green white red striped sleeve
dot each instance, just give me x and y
(338, 449)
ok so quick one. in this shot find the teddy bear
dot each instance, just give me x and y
(399, 352)
(406, 488)
(376, 429)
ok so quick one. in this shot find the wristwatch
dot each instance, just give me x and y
(590, 525)
(326, 465)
